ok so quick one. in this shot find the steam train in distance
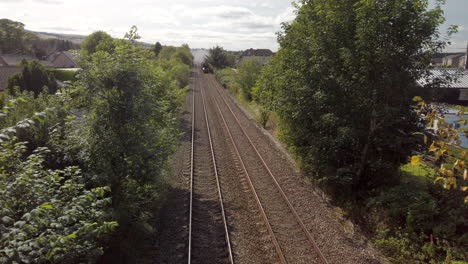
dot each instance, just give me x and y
(206, 68)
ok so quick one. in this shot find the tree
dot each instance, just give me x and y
(33, 77)
(98, 40)
(183, 54)
(248, 73)
(217, 58)
(133, 130)
(157, 48)
(13, 37)
(340, 86)
(166, 52)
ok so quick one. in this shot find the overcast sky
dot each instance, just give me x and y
(234, 24)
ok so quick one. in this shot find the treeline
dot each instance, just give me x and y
(14, 39)
(340, 90)
(82, 169)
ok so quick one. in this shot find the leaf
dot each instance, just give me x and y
(72, 235)
(46, 206)
(417, 99)
(439, 179)
(463, 122)
(416, 160)
(432, 147)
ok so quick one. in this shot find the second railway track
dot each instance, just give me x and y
(295, 243)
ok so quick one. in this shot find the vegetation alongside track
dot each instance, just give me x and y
(81, 170)
(352, 132)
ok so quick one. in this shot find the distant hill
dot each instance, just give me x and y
(74, 38)
(71, 37)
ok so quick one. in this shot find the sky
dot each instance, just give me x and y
(234, 24)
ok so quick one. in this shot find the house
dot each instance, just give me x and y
(262, 55)
(455, 91)
(437, 62)
(3, 63)
(6, 72)
(63, 59)
(452, 60)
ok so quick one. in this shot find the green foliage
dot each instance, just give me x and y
(184, 55)
(132, 131)
(227, 77)
(180, 73)
(217, 58)
(46, 215)
(177, 62)
(13, 37)
(420, 222)
(157, 48)
(33, 77)
(248, 73)
(98, 40)
(340, 83)
(167, 52)
(64, 75)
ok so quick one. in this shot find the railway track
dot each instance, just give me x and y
(208, 234)
(292, 240)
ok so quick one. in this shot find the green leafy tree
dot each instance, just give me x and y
(13, 37)
(167, 52)
(98, 40)
(34, 77)
(157, 48)
(248, 73)
(217, 58)
(183, 54)
(340, 85)
(132, 133)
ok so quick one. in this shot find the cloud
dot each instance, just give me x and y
(51, 2)
(67, 29)
(226, 12)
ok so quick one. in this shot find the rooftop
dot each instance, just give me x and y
(460, 77)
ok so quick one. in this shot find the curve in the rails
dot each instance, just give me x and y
(208, 236)
(278, 186)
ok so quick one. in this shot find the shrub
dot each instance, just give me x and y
(248, 73)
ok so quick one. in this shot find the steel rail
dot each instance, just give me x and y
(254, 192)
(299, 220)
(191, 179)
(220, 196)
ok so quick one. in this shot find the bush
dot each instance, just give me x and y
(420, 222)
(248, 73)
(132, 132)
(226, 77)
(47, 215)
(33, 77)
